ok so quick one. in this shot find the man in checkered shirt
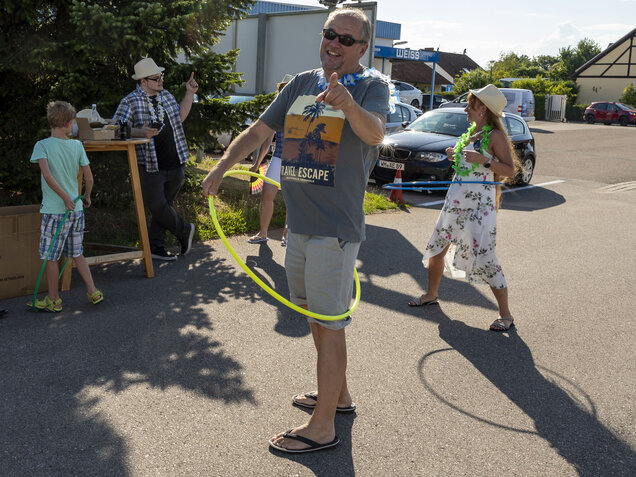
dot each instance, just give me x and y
(154, 114)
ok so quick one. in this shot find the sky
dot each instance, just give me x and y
(487, 29)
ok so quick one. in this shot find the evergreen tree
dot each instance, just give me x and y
(84, 51)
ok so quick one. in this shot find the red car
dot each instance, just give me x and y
(610, 112)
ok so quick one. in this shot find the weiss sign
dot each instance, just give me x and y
(406, 54)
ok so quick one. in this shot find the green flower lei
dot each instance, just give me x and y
(463, 141)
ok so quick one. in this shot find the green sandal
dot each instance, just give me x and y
(48, 305)
(96, 297)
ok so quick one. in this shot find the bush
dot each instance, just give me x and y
(575, 112)
(539, 107)
(545, 86)
(448, 94)
(629, 95)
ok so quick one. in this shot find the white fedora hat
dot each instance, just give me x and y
(492, 98)
(146, 67)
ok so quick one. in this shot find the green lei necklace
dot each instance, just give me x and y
(463, 141)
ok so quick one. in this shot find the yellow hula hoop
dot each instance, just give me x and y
(260, 282)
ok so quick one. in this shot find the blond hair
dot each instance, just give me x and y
(59, 113)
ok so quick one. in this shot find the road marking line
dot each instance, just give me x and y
(438, 202)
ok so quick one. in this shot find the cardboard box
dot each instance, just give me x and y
(86, 133)
(20, 262)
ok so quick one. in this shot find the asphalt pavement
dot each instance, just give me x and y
(191, 372)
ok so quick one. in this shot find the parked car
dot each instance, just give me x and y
(610, 112)
(401, 116)
(519, 101)
(419, 151)
(408, 93)
(438, 100)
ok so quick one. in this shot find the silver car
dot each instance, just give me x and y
(519, 101)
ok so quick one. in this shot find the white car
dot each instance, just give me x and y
(408, 93)
(401, 116)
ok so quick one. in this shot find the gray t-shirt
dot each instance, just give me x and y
(325, 165)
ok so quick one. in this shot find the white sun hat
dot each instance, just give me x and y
(146, 67)
(492, 98)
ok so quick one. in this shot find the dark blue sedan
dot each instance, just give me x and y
(419, 150)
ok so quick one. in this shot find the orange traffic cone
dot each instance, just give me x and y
(396, 194)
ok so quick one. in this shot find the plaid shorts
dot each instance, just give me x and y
(68, 240)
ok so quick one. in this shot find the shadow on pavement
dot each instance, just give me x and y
(290, 323)
(536, 198)
(540, 131)
(525, 199)
(569, 425)
(139, 335)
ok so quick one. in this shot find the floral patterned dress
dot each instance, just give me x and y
(468, 221)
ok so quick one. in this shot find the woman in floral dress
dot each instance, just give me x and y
(468, 218)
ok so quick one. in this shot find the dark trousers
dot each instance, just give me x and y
(159, 190)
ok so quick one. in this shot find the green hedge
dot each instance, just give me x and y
(575, 112)
(539, 107)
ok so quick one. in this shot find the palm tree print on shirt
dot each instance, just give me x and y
(313, 111)
(313, 138)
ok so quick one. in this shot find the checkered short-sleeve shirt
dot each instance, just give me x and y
(134, 108)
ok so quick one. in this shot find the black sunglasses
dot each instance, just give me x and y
(345, 40)
(156, 78)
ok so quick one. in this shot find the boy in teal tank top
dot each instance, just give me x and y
(59, 159)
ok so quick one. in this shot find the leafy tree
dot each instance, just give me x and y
(546, 62)
(629, 95)
(83, 52)
(511, 65)
(572, 59)
(477, 78)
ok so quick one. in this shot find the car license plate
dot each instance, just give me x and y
(398, 166)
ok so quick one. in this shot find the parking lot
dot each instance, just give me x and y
(574, 151)
(189, 373)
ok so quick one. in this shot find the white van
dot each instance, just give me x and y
(520, 102)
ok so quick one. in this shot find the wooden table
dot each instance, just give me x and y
(144, 253)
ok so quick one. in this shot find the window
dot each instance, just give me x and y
(394, 116)
(510, 96)
(514, 126)
(405, 114)
(601, 106)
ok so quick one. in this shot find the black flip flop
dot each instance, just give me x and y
(314, 446)
(313, 395)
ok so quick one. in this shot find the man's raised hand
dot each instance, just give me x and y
(191, 84)
(336, 95)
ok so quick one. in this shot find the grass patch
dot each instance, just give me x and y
(237, 210)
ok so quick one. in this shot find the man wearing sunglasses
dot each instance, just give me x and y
(332, 134)
(155, 114)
